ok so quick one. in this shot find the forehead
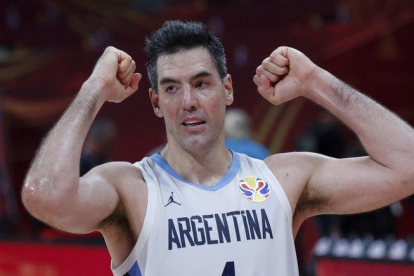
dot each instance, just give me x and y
(185, 64)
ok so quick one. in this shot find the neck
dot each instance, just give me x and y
(206, 168)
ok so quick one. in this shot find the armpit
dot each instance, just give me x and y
(310, 203)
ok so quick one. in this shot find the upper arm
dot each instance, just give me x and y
(97, 197)
(317, 184)
(353, 185)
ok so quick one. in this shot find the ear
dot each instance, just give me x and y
(155, 102)
(228, 86)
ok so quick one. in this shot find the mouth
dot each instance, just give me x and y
(193, 123)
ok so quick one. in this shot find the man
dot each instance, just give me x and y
(238, 215)
(238, 134)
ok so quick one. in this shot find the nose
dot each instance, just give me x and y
(189, 99)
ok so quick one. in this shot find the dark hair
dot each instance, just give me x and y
(176, 36)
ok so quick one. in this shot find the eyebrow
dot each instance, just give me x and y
(199, 75)
(168, 80)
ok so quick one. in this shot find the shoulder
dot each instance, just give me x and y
(293, 170)
(296, 165)
(115, 172)
(296, 155)
(131, 188)
(123, 177)
(295, 161)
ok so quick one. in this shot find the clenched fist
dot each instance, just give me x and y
(117, 70)
(284, 75)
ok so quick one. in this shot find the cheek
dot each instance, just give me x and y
(169, 109)
(220, 102)
(213, 97)
(217, 108)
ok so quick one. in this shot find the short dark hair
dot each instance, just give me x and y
(176, 36)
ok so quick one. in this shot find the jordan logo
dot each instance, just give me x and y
(171, 200)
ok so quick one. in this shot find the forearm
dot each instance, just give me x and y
(54, 173)
(386, 137)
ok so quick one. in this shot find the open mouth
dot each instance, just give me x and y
(194, 123)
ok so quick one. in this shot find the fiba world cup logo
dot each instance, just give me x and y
(254, 189)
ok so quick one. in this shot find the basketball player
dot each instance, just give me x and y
(197, 208)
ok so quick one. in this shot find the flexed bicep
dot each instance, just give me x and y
(97, 197)
(354, 185)
(316, 184)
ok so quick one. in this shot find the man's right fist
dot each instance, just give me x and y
(116, 69)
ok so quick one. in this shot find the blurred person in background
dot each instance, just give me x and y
(98, 146)
(198, 208)
(237, 125)
(323, 136)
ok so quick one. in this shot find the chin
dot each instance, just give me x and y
(197, 145)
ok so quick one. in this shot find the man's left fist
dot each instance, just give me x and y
(284, 75)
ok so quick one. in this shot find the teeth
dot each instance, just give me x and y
(192, 123)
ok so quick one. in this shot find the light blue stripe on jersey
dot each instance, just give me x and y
(231, 173)
(134, 271)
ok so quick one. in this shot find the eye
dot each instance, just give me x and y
(200, 84)
(171, 89)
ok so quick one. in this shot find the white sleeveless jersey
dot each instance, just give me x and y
(240, 226)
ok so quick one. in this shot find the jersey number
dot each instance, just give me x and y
(229, 269)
